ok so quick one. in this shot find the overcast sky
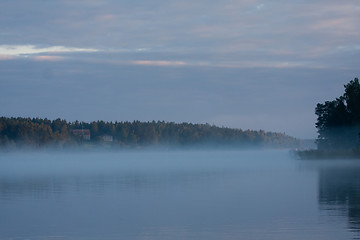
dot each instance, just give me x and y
(246, 64)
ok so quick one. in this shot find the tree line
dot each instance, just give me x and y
(38, 133)
(338, 121)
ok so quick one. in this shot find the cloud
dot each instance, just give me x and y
(215, 64)
(158, 63)
(273, 32)
(338, 26)
(107, 17)
(6, 57)
(260, 6)
(18, 50)
(264, 64)
(48, 58)
(349, 48)
(115, 59)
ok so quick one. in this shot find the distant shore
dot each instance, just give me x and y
(314, 154)
(38, 133)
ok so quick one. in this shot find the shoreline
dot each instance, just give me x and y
(315, 154)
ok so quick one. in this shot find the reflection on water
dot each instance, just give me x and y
(176, 195)
(103, 173)
(40, 187)
(339, 191)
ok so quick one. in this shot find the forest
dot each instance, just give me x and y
(338, 126)
(41, 133)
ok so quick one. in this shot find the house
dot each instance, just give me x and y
(83, 133)
(107, 138)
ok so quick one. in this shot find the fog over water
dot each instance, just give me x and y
(251, 64)
(177, 195)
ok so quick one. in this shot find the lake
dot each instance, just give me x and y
(177, 195)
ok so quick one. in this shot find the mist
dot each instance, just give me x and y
(167, 194)
(168, 120)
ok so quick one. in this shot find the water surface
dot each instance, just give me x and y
(177, 195)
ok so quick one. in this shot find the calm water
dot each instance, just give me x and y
(177, 195)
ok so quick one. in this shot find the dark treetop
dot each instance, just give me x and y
(338, 121)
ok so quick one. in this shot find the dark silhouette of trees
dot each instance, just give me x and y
(338, 121)
(36, 132)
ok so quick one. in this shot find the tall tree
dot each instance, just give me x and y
(338, 121)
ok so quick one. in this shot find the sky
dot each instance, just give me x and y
(245, 64)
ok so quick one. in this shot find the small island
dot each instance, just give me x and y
(338, 126)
